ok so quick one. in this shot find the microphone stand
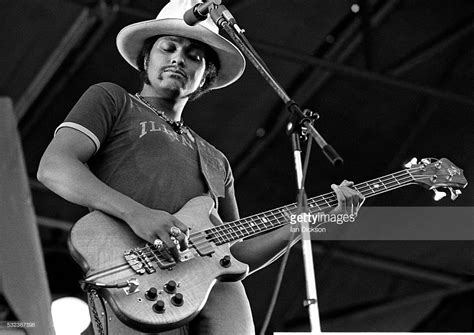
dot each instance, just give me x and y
(300, 124)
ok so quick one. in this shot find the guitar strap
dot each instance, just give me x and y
(212, 168)
(98, 312)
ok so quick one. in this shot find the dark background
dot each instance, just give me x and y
(391, 80)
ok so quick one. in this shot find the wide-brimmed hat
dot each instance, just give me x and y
(170, 22)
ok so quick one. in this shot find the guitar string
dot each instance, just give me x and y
(279, 223)
(222, 232)
(324, 198)
(233, 235)
(249, 229)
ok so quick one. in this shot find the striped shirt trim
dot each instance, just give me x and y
(83, 130)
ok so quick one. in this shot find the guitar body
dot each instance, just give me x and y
(97, 243)
(110, 253)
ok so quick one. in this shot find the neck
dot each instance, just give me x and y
(172, 107)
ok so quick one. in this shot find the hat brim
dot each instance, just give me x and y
(131, 38)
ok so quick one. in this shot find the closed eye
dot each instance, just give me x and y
(168, 47)
(195, 55)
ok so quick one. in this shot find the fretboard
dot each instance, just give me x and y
(269, 220)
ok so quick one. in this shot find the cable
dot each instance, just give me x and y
(279, 279)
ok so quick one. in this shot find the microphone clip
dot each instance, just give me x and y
(200, 11)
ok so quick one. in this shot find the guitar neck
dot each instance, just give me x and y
(269, 220)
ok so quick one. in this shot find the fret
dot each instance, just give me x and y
(222, 233)
(389, 183)
(242, 231)
(382, 182)
(326, 200)
(286, 215)
(217, 239)
(235, 231)
(393, 177)
(252, 226)
(374, 187)
(263, 223)
(356, 187)
(232, 232)
(245, 226)
(410, 175)
(218, 235)
(273, 218)
(270, 219)
(315, 204)
(239, 231)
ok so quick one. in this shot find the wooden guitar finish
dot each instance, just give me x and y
(148, 293)
(98, 241)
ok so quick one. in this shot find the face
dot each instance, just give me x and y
(175, 66)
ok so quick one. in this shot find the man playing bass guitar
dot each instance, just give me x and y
(143, 163)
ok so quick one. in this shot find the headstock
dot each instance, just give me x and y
(437, 173)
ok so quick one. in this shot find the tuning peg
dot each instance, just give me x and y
(454, 193)
(426, 161)
(438, 195)
(412, 162)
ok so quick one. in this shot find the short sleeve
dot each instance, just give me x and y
(95, 112)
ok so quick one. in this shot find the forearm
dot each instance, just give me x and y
(260, 251)
(72, 180)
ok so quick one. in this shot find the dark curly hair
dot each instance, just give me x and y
(211, 70)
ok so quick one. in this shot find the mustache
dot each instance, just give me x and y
(175, 69)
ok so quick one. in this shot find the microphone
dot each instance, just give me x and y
(198, 12)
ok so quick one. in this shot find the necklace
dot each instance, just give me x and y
(178, 126)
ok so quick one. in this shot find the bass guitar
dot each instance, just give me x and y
(151, 294)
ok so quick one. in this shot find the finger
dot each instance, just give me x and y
(341, 201)
(357, 195)
(353, 196)
(174, 231)
(182, 239)
(180, 225)
(347, 183)
(361, 202)
(170, 251)
(162, 249)
(158, 244)
(355, 210)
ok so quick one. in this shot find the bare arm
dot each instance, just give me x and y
(262, 250)
(62, 169)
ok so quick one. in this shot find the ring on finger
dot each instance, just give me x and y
(158, 243)
(175, 240)
(175, 231)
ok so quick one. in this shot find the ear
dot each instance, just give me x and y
(203, 81)
(145, 63)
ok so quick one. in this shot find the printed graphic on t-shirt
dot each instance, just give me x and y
(147, 127)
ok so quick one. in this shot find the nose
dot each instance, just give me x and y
(178, 59)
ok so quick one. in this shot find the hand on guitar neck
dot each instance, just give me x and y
(349, 200)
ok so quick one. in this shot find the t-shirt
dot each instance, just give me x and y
(141, 156)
